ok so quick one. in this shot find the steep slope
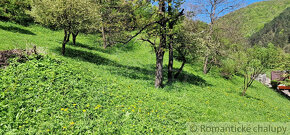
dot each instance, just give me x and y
(277, 32)
(92, 90)
(253, 17)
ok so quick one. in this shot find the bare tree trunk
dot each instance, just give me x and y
(160, 49)
(181, 68)
(244, 92)
(159, 69)
(65, 40)
(170, 62)
(205, 64)
(245, 83)
(104, 36)
(74, 35)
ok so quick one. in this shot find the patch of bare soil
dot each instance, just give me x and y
(6, 55)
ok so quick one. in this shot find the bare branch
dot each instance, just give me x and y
(140, 31)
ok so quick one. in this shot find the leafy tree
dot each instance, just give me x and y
(213, 9)
(173, 9)
(234, 55)
(157, 29)
(117, 17)
(187, 42)
(257, 60)
(15, 10)
(73, 16)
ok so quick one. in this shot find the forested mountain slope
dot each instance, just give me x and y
(277, 32)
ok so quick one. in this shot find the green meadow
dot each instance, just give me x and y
(111, 91)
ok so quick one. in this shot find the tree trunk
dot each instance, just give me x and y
(205, 64)
(104, 36)
(75, 37)
(170, 46)
(162, 45)
(244, 92)
(181, 68)
(170, 62)
(65, 40)
(159, 69)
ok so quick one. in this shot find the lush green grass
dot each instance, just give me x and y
(255, 16)
(92, 90)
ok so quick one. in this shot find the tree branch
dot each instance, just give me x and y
(139, 32)
(149, 41)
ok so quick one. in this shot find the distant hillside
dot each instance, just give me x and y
(277, 32)
(252, 18)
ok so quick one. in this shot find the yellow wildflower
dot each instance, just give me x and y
(84, 110)
(47, 130)
(133, 110)
(74, 104)
(72, 123)
(65, 109)
(111, 123)
(62, 109)
(98, 106)
(64, 127)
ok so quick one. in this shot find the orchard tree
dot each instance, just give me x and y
(159, 31)
(116, 18)
(257, 60)
(73, 16)
(173, 9)
(187, 41)
(155, 32)
(213, 9)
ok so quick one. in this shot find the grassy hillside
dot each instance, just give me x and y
(111, 91)
(255, 16)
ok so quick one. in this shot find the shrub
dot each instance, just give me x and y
(228, 68)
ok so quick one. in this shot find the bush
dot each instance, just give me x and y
(228, 68)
